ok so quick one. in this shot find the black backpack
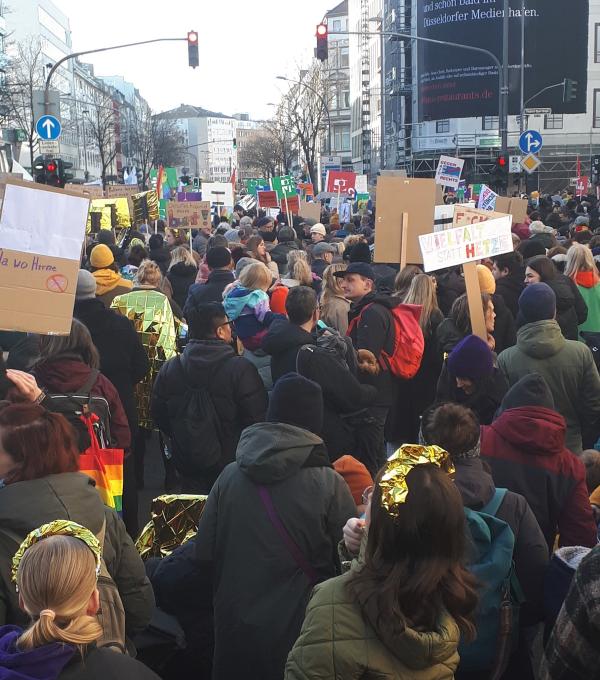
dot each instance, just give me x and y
(592, 340)
(73, 406)
(196, 430)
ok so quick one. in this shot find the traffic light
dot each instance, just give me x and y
(234, 143)
(192, 39)
(322, 46)
(49, 174)
(500, 172)
(595, 170)
(569, 90)
(64, 176)
(39, 170)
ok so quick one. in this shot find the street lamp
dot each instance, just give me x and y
(321, 99)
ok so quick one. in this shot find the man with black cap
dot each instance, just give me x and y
(372, 333)
(220, 265)
(286, 238)
(525, 448)
(268, 534)
(567, 366)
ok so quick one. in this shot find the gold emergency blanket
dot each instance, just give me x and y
(145, 207)
(174, 521)
(157, 327)
(393, 483)
(114, 212)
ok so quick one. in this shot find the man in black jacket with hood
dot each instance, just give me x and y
(234, 388)
(509, 273)
(371, 330)
(220, 264)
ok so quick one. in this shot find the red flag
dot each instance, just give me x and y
(232, 180)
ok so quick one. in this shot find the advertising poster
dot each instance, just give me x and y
(456, 83)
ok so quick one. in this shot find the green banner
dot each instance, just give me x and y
(285, 186)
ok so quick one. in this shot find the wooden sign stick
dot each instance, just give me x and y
(404, 241)
(474, 300)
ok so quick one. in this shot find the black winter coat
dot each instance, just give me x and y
(571, 310)
(123, 359)
(279, 255)
(260, 592)
(106, 663)
(412, 397)
(237, 393)
(162, 257)
(182, 276)
(318, 267)
(511, 287)
(505, 331)
(486, 399)
(282, 342)
(375, 332)
(530, 554)
(450, 286)
(448, 336)
(211, 291)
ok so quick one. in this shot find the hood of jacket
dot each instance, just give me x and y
(62, 375)
(448, 336)
(201, 358)
(534, 430)
(540, 339)
(284, 335)
(93, 313)
(184, 270)
(271, 452)
(221, 276)
(565, 296)
(41, 663)
(476, 486)
(107, 280)
(71, 495)
(586, 279)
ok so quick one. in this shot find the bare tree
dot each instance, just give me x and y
(304, 110)
(24, 75)
(167, 141)
(101, 128)
(142, 140)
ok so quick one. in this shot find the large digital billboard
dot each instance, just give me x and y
(456, 83)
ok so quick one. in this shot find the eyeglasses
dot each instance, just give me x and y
(366, 495)
(226, 323)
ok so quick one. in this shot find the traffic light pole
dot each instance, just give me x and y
(74, 55)
(502, 70)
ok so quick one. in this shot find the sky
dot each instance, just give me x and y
(243, 46)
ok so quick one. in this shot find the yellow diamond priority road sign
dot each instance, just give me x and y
(530, 163)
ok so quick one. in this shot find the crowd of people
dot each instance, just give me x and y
(387, 494)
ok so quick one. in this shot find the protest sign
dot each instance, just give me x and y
(448, 171)
(361, 185)
(185, 215)
(310, 211)
(146, 207)
(85, 190)
(41, 237)
(397, 196)
(218, 193)
(468, 243)
(581, 188)
(121, 190)
(284, 186)
(115, 212)
(487, 199)
(185, 196)
(339, 181)
(306, 189)
(464, 215)
(267, 199)
(291, 205)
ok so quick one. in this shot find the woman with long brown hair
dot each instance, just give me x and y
(56, 572)
(400, 610)
(257, 250)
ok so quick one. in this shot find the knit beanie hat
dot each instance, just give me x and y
(101, 257)
(295, 400)
(471, 358)
(532, 248)
(487, 282)
(537, 303)
(355, 474)
(219, 257)
(531, 390)
(86, 285)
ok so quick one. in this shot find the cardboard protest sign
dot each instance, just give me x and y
(41, 237)
(184, 215)
(396, 196)
(518, 209)
(448, 171)
(487, 199)
(503, 204)
(267, 199)
(468, 243)
(218, 193)
(339, 181)
(121, 190)
(306, 189)
(310, 211)
(86, 190)
(464, 215)
(361, 185)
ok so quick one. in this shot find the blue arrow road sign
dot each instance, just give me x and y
(531, 141)
(48, 127)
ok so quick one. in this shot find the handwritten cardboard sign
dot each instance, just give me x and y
(267, 199)
(41, 237)
(468, 243)
(86, 190)
(291, 204)
(188, 214)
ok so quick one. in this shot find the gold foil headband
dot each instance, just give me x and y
(60, 527)
(393, 483)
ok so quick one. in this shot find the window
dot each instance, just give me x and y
(344, 57)
(553, 122)
(596, 109)
(345, 99)
(337, 26)
(442, 126)
(597, 43)
(490, 123)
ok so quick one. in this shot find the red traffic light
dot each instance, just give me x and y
(321, 30)
(51, 166)
(192, 37)
(502, 161)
